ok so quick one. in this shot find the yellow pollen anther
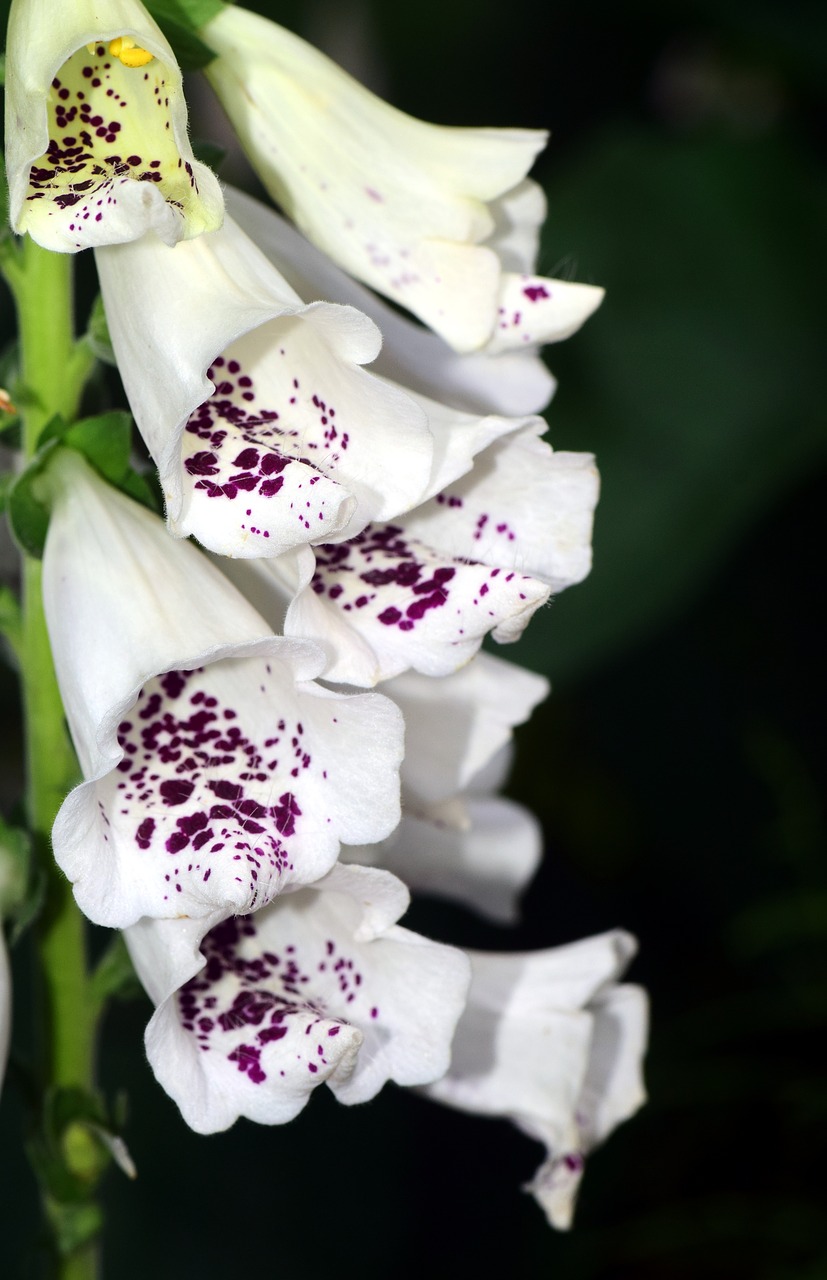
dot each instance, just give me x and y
(128, 52)
(6, 405)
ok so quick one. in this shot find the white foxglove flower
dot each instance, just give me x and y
(217, 772)
(321, 986)
(266, 431)
(96, 129)
(457, 839)
(549, 1041)
(415, 210)
(512, 383)
(422, 592)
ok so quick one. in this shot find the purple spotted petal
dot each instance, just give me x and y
(97, 150)
(534, 310)
(217, 771)
(522, 506)
(514, 382)
(388, 602)
(266, 430)
(234, 784)
(254, 481)
(400, 204)
(318, 987)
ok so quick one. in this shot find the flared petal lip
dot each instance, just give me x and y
(28, 138)
(109, 754)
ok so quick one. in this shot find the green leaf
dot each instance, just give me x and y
(105, 441)
(192, 14)
(114, 976)
(74, 1225)
(180, 27)
(9, 382)
(27, 503)
(22, 881)
(209, 153)
(97, 333)
(15, 862)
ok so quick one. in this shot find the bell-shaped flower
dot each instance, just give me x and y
(512, 383)
(417, 211)
(266, 431)
(550, 1041)
(422, 592)
(217, 772)
(457, 838)
(96, 129)
(321, 986)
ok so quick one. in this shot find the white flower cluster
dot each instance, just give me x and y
(377, 500)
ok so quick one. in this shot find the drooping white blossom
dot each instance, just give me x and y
(550, 1041)
(266, 430)
(321, 986)
(511, 383)
(217, 772)
(417, 211)
(458, 839)
(96, 129)
(423, 591)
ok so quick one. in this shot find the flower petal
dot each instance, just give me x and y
(96, 142)
(423, 592)
(266, 431)
(518, 217)
(485, 864)
(533, 310)
(514, 383)
(549, 1042)
(522, 506)
(454, 727)
(217, 771)
(399, 203)
(388, 602)
(319, 986)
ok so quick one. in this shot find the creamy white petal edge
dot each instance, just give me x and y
(423, 591)
(266, 431)
(217, 772)
(399, 203)
(513, 383)
(88, 194)
(484, 864)
(457, 839)
(550, 1041)
(455, 727)
(321, 986)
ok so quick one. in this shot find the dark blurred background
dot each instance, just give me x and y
(676, 767)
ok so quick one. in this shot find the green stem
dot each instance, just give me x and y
(53, 369)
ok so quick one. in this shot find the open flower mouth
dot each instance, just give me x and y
(103, 114)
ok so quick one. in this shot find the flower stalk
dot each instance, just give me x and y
(54, 366)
